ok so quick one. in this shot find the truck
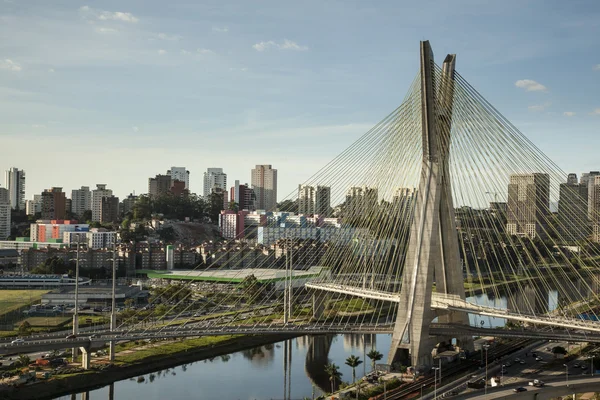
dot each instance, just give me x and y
(536, 383)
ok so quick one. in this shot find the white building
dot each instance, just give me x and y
(34, 206)
(306, 199)
(214, 178)
(228, 225)
(5, 209)
(81, 200)
(97, 195)
(95, 238)
(14, 180)
(180, 174)
(264, 183)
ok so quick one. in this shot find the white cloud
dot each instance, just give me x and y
(185, 52)
(539, 107)
(568, 113)
(243, 69)
(166, 36)
(92, 13)
(204, 51)
(107, 31)
(530, 85)
(38, 126)
(135, 128)
(220, 29)
(285, 45)
(51, 70)
(10, 65)
(596, 67)
(162, 52)
(595, 112)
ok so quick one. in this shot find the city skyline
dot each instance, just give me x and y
(160, 86)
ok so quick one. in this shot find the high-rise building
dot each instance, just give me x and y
(323, 201)
(589, 181)
(180, 174)
(81, 201)
(5, 210)
(159, 185)
(573, 209)
(361, 201)
(54, 204)
(264, 184)
(15, 183)
(127, 204)
(4, 196)
(214, 178)
(109, 212)
(34, 206)
(528, 205)
(306, 199)
(97, 195)
(594, 186)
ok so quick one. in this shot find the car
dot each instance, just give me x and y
(519, 389)
(576, 365)
(538, 359)
(522, 362)
(517, 360)
(71, 336)
(17, 341)
(583, 366)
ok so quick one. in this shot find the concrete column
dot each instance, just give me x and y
(318, 304)
(85, 357)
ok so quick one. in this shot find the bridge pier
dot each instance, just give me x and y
(85, 356)
(318, 304)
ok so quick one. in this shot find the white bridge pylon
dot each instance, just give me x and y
(440, 301)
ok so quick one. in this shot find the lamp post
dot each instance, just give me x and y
(486, 347)
(592, 364)
(113, 312)
(567, 373)
(502, 375)
(384, 388)
(422, 391)
(76, 313)
(435, 383)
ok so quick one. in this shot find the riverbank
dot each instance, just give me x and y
(94, 379)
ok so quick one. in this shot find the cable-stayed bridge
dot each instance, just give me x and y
(442, 210)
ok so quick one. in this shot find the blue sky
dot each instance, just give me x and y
(117, 91)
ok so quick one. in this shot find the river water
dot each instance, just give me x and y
(259, 373)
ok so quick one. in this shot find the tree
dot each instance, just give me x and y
(375, 356)
(253, 289)
(288, 206)
(86, 216)
(353, 362)
(129, 302)
(24, 360)
(334, 374)
(24, 328)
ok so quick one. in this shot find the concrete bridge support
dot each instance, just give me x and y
(85, 357)
(433, 245)
(319, 301)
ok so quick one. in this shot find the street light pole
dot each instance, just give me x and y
(76, 313)
(486, 347)
(567, 372)
(113, 313)
(502, 375)
(422, 391)
(592, 366)
(435, 369)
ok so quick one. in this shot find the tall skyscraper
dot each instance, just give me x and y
(264, 184)
(573, 209)
(5, 210)
(323, 201)
(81, 201)
(361, 200)
(159, 185)
(109, 209)
(589, 181)
(34, 206)
(54, 204)
(306, 199)
(97, 195)
(528, 204)
(594, 191)
(180, 174)
(15, 183)
(214, 178)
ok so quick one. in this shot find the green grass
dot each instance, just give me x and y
(11, 300)
(351, 305)
(174, 347)
(49, 322)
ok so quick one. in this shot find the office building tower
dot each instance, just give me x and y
(159, 185)
(264, 184)
(34, 206)
(306, 199)
(528, 205)
(5, 210)
(323, 201)
(361, 200)
(15, 183)
(592, 197)
(180, 174)
(573, 210)
(97, 195)
(214, 178)
(54, 204)
(594, 212)
(109, 209)
(4, 196)
(81, 201)
(128, 203)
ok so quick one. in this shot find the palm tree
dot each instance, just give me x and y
(375, 356)
(353, 362)
(334, 374)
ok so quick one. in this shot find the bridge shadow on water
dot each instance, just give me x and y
(317, 357)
